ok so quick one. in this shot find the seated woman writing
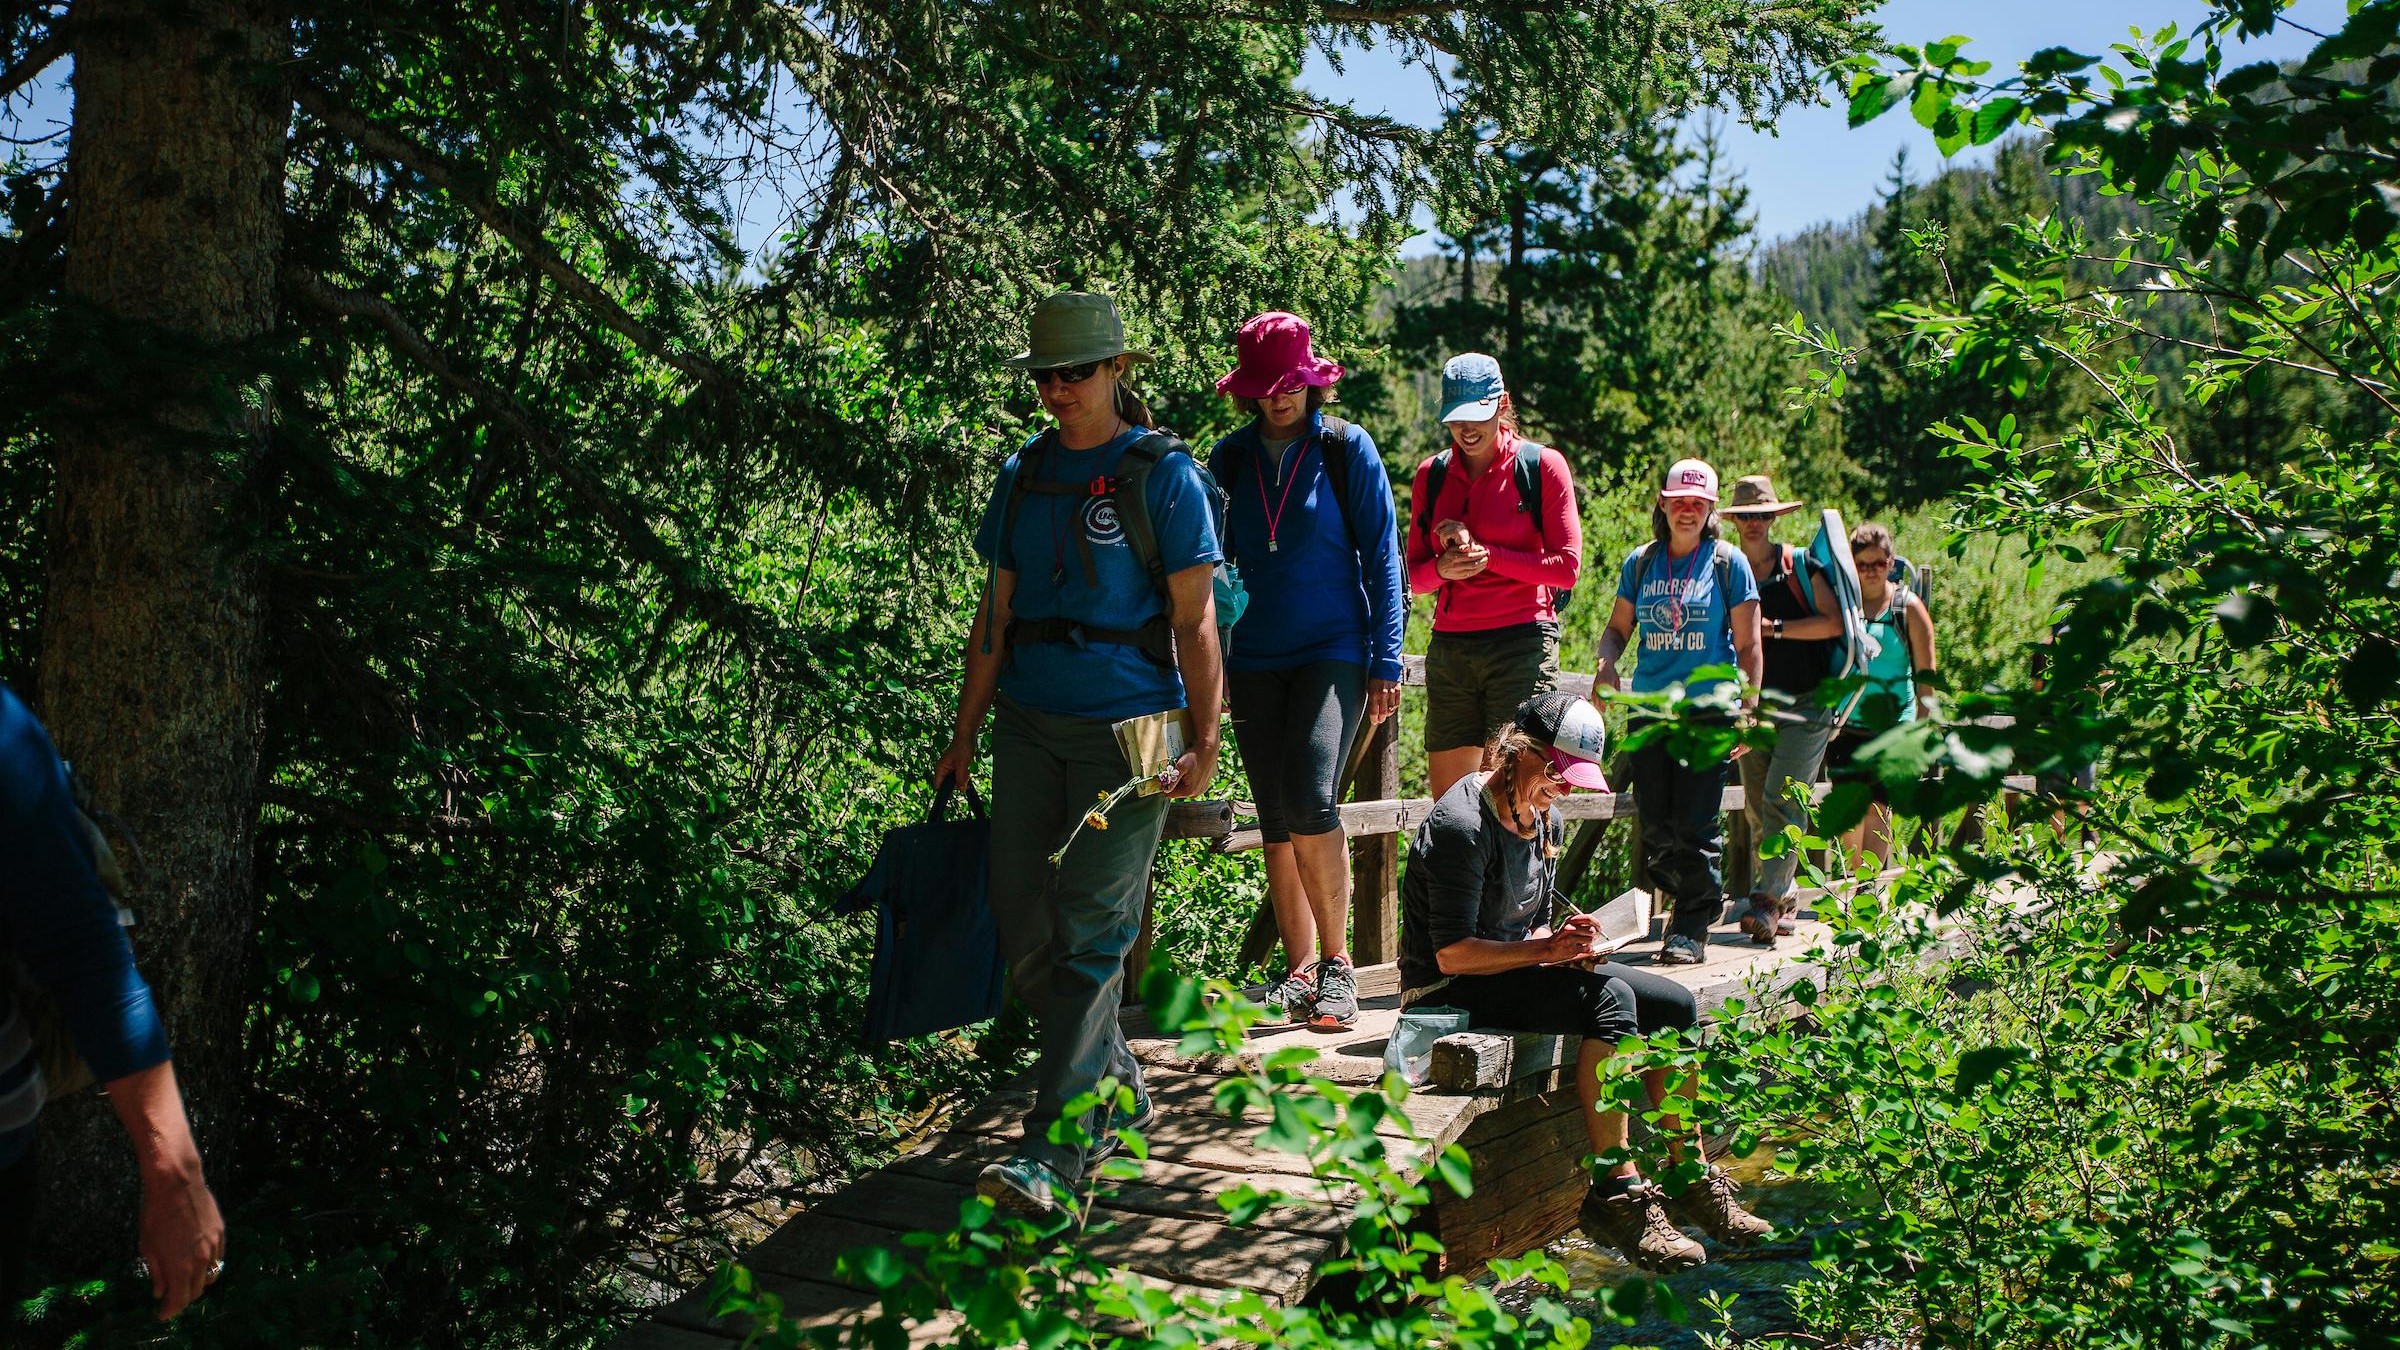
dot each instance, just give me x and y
(1474, 935)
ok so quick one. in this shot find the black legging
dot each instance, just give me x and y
(1295, 727)
(1609, 1003)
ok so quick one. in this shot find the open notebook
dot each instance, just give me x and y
(1626, 916)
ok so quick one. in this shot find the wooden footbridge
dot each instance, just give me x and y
(1506, 1099)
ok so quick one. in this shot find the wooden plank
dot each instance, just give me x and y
(660, 1336)
(807, 1247)
(1207, 818)
(1375, 859)
(1165, 1188)
(802, 1298)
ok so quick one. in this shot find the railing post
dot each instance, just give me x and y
(1375, 860)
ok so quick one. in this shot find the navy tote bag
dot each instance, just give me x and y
(937, 956)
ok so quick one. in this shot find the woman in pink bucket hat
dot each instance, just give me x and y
(1317, 654)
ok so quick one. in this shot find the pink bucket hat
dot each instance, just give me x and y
(1272, 356)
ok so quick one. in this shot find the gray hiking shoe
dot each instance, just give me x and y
(1337, 995)
(1635, 1222)
(1710, 1205)
(1026, 1187)
(1682, 951)
(1106, 1142)
(1294, 997)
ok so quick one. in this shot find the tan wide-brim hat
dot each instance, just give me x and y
(1754, 495)
(1072, 327)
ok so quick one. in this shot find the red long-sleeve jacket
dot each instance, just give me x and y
(1528, 566)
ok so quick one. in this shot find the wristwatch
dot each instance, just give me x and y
(1775, 628)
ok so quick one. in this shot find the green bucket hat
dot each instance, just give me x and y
(1072, 327)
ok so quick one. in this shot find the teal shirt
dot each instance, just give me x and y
(1892, 672)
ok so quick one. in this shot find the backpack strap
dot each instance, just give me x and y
(1334, 448)
(1437, 472)
(1793, 577)
(1527, 469)
(1723, 567)
(1129, 486)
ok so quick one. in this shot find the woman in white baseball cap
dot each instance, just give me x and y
(1687, 604)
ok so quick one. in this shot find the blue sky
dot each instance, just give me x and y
(1812, 167)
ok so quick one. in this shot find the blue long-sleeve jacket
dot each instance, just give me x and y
(58, 921)
(1330, 589)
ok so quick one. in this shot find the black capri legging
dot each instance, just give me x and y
(1295, 727)
(1609, 1003)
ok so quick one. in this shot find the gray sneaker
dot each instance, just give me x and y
(1682, 951)
(1294, 996)
(1337, 995)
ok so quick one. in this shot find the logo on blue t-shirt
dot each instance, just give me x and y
(1100, 523)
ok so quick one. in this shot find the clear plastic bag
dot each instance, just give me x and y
(1409, 1053)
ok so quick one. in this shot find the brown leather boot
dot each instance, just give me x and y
(1635, 1222)
(1709, 1204)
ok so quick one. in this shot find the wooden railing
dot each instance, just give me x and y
(1375, 816)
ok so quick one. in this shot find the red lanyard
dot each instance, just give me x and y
(1274, 514)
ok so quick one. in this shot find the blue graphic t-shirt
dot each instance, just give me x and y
(1102, 679)
(1680, 623)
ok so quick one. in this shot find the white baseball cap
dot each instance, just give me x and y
(1690, 478)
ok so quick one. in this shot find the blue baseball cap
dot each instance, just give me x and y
(1471, 388)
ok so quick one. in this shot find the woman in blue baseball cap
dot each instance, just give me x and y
(1495, 535)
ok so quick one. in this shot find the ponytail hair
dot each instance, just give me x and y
(1131, 407)
(1501, 755)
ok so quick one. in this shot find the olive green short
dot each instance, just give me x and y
(1474, 681)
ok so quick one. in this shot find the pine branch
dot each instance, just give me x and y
(693, 587)
(438, 171)
(326, 808)
(38, 58)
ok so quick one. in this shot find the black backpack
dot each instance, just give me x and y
(1128, 490)
(1527, 470)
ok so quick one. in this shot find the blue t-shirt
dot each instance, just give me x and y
(1672, 640)
(57, 918)
(1103, 680)
(1330, 589)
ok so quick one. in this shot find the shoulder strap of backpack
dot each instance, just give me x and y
(1130, 488)
(1437, 470)
(1334, 448)
(1795, 577)
(1527, 469)
(1722, 565)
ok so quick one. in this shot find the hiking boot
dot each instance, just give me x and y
(1759, 921)
(1787, 916)
(1294, 997)
(1106, 1143)
(1026, 1187)
(1337, 995)
(1635, 1222)
(1682, 951)
(1709, 1204)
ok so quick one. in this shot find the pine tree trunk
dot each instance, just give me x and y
(150, 662)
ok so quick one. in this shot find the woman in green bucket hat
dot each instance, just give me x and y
(1101, 543)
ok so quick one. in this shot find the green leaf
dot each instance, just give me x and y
(1994, 117)
(1174, 999)
(2051, 61)
(1931, 101)
(1455, 1171)
(1871, 100)
(2247, 618)
(1978, 1067)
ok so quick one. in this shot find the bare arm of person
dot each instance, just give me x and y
(182, 1234)
(1746, 652)
(982, 681)
(1489, 956)
(1825, 623)
(1613, 640)
(1192, 609)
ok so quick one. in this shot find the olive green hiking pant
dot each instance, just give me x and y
(1064, 931)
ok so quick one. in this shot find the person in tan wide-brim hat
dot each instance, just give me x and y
(1755, 496)
(1796, 619)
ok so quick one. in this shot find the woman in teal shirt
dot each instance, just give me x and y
(1896, 691)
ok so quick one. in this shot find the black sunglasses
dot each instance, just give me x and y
(1070, 374)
